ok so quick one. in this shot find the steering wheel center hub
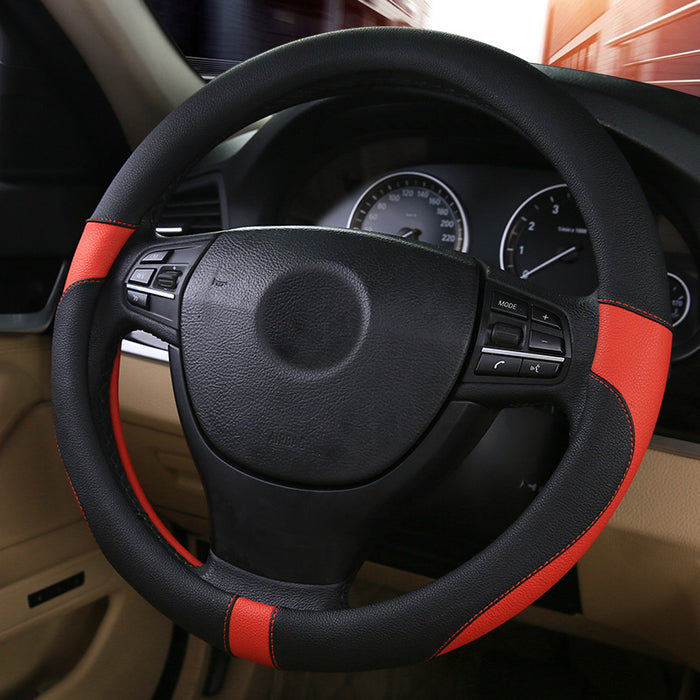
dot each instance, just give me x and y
(304, 350)
(315, 318)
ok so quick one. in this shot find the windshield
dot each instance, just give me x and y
(654, 41)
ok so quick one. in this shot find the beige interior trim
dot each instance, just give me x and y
(140, 71)
(33, 555)
(642, 575)
(35, 496)
(194, 671)
(100, 580)
(99, 640)
(126, 657)
(24, 377)
(154, 408)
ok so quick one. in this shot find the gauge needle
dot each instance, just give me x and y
(414, 233)
(546, 263)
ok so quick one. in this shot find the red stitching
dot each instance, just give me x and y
(615, 393)
(634, 308)
(70, 481)
(227, 617)
(58, 447)
(272, 638)
(75, 284)
(111, 221)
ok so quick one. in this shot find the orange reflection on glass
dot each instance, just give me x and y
(654, 41)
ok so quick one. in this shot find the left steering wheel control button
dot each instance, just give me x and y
(142, 275)
(499, 365)
(508, 305)
(156, 287)
(168, 277)
(543, 342)
(156, 256)
(135, 298)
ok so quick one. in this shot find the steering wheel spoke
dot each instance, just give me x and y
(149, 280)
(530, 346)
(287, 536)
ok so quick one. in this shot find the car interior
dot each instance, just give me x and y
(320, 369)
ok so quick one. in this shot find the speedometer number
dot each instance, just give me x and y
(415, 206)
(546, 240)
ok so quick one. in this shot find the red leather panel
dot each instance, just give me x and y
(250, 631)
(97, 250)
(118, 430)
(633, 355)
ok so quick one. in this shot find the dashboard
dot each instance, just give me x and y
(445, 173)
(522, 220)
(504, 207)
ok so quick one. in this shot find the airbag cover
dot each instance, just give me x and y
(320, 357)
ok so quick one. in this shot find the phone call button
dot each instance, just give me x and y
(498, 365)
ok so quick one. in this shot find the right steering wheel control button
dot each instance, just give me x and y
(498, 365)
(505, 335)
(543, 342)
(546, 317)
(539, 369)
(508, 305)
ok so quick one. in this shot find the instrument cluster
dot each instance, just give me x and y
(524, 221)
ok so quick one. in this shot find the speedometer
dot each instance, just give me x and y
(412, 205)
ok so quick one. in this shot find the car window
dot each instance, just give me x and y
(653, 41)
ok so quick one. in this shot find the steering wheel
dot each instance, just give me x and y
(325, 376)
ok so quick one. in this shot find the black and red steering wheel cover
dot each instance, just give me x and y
(623, 393)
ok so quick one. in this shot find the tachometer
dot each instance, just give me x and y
(546, 240)
(412, 205)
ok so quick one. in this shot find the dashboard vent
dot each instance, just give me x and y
(192, 208)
